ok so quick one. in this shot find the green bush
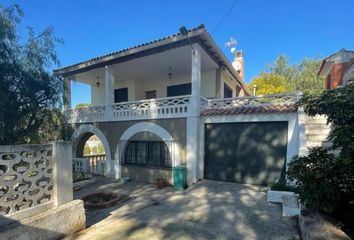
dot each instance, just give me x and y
(317, 178)
(325, 181)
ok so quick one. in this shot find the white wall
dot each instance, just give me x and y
(137, 87)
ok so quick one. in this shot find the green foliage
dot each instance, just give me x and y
(269, 83)
(338, 106)
(83, 105)
(317, 180)
(326, 181)
(29, 94)
(282, 77)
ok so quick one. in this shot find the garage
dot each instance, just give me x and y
(245, 152)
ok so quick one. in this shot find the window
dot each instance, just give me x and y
(329, 81)
(148, 153)
(150, 94)
(227, 91)
(120, 95)
(179, 90)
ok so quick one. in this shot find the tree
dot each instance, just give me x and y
(269, 83)
(298, 77)
(83, 105)
(30, 95)
(304, 76)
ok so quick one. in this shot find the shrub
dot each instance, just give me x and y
(317, 178)
(325, 182)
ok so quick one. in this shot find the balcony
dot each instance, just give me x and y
(170, 107)
(180, 107)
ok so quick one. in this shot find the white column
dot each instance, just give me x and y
(108, 86)
(67, 94)
(62, 173)
(193, 122)
(108, 91)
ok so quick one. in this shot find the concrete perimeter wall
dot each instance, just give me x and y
(51, 224)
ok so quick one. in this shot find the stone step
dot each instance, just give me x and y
(316, 137)
(316, 121)
(290, 206)
(311, 144)
(317, 131)
(317, 125)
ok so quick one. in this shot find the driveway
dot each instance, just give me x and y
(208, 210)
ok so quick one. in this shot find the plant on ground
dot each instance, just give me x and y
(326, 180)
(29, 94)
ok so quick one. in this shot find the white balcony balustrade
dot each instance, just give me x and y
(248, 101)
(170, 107)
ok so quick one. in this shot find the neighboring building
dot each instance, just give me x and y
(179, 101)
(338, 68)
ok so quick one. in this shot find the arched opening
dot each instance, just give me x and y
(90, 144)
(146, 152)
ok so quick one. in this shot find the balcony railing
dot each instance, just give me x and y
(248, 101)
(170, 107)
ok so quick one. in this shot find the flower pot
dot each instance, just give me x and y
(161, 183)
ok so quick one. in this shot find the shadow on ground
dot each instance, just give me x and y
(208, 210)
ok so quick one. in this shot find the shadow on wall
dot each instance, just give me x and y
(12, 229)
(252, 153)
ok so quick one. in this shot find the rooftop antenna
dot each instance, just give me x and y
(232, 45)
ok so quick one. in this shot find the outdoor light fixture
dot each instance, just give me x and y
(170, 74)
(98, 82)
(183, 30)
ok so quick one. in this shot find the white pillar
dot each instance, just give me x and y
(108, 86)
(67, 94)
(193, 122)
(62, 173)
(108, 91)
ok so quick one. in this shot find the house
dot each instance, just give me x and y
(338, 68)
(179, 101)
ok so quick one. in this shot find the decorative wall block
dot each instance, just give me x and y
(26, 177)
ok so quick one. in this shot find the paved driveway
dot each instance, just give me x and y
(208, 210)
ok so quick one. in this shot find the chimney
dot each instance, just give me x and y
(238, 62)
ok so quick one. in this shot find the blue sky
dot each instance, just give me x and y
(263, 29)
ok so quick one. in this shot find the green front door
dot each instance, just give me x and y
(249, 152)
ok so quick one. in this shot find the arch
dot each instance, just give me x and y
(88, 128)
(152, 128)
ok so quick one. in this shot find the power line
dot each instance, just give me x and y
(223, 18)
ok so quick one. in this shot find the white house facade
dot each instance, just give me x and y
(179, 101)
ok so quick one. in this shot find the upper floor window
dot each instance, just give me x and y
(227, 91)
(121, 95)
(179, 90)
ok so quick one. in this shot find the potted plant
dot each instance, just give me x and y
(161, 182)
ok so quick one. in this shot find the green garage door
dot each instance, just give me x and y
(251, 153)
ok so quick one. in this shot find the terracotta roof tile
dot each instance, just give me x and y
(252, 109)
